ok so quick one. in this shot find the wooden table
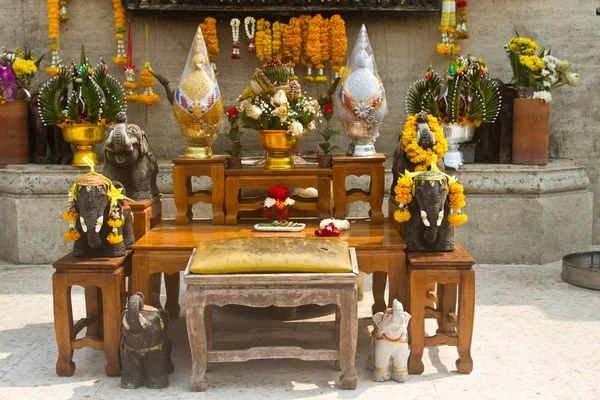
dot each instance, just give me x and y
(344, 166)
(263, 290)
(183, 171)
(301, 176)
(167, 249)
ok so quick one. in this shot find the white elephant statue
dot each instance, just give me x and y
(389, 345)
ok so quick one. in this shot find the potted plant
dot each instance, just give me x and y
(274, 106)
(467, 98)
(83, 101)
(17, 70)
(535, 76)
(325, 159)
(234, 135)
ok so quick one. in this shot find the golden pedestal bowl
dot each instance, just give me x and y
(84, 136)
(200, 138)
(279, 145)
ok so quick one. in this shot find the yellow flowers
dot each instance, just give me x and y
(416, 154)
(447, 49)
(119, 15)
(24, 67)
(114, 238)
(456, 196)
(146, 78)
(313, 45)
(524, 46)
(292, 43)
(532, 63)
(70, 216)
(264, 45)
(456, 219)
(209, 32)
(71, 235)
(404, 189)
(277, 34)
(115, 223)
(402, 215)
(338, 42)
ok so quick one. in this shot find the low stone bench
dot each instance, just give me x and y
(271, 271)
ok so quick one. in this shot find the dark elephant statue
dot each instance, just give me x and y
(145, 347)
(129, 159)
(428, 228)
(93, 205)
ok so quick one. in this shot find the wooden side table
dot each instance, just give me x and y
(183, 171)
(102, 278)
(344, 166)
(302, 176)
(449, 270)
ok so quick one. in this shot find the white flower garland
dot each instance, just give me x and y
(250, 29)
(235, 32)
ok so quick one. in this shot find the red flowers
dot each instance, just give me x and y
(461, 4)
(232, 113)
(327, 111)
(329, 231)
(279, 193)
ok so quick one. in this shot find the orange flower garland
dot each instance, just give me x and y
(264, 45)
(148, 98)
(209, 32)
(278, 29)
(119, 15)
(338, 43)
(325, 50)
(313, 45)
(54, 35)
(292, 45)
(304, 58)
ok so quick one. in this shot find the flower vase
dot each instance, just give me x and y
(14, 132)
(531, 125)
(278, 144)
(277, 213)
(456, 134)
(84, 136)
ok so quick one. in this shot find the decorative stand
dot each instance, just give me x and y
(185, 197)
(449, 270)
(344, 166)
(301, 176)
(105, 292)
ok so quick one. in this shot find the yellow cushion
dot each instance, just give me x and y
(271, 254)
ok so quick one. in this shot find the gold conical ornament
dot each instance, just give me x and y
(198, 106)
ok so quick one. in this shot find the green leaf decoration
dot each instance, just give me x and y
(112, 90)
(50, 102)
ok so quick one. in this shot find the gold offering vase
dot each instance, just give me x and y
(279, 145)
(199, 140)
(84, 136)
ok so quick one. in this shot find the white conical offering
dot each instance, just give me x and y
(361, 104)
(198, 106)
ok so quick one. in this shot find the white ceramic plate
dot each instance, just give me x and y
(297, 228)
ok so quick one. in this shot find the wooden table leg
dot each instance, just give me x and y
(156, 216)
(208, 328)
(217, 175)
(348, 338)
(63, 324)
(466, 314)
(398, 279)
(111, 299)
(378, 289)
(339, 192)
(140, 273)
(140, 225)
(417, 321)
(360, 286)
(324, 199)
(154, 283)
(180, 192)
(172, 287)
(93, 310)
(448, 305)
(376, 194)
(231, 201)
(197, 336)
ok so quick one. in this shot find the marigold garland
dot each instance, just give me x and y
(278, 29)
(114, 238)
(119, 16)
(448, 28)
(264, 46)
(325, 50)
(402, 215)
(416, 154)
(313, 45)
(304, 58)
(292, 45)
(71, 235)
(461, 21)
(456, 219)
(54, 35)
(338, 43)
(148, 98)
(403, 189)
(209, 32)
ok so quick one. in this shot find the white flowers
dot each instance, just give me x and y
(280, 98)
(281, 112)
(362, 110)
(253, 112)
(269, 202)
(545, 96)
(295, 129)
(573, 78)
(311, 126)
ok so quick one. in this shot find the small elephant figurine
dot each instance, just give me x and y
(92, 201)
(129, 159)
(145, 346)
(389, 345)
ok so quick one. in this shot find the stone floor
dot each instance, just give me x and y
(536, 337)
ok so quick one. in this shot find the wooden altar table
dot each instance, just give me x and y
(168, 247)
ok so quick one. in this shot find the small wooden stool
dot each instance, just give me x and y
(183, 171)
(105, 292)
(344, 166)
(449, 270)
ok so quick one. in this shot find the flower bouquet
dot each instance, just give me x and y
(278, 205)
(83, 101)
(17, 70)
(275, 107)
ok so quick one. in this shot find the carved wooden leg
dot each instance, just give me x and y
(154, 282)
(92, 310)
(466, 314)
(140, 274)
(398, 278)
(348, 337)
(448, 304)
(217, 175)
(417, 321)
(440, 290)
(339, 192)
(197, 337)
(378, 289)
(172, 287)
(63, 324)
(324, 200)
(111, 299)
(376, 194)
(231, 201)
(180, 193)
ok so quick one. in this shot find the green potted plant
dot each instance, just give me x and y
(325, 159)
(234, 135)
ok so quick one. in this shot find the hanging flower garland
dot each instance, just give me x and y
(461, 21)
(119, 15)
(130, 85)
(304, 58)
(264, 46)
(71, 215)
(148, 98)
(416, 154)
(338, 43)
(325, 50)
(63, 14)
(54, 35)
(250, 27)
(278, 29)
(209, 32)
(235, 34)
(404, 195)
(292, 45)
(448, 29)
(313, 45)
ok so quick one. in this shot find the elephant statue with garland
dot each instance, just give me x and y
(129, 159)
(98, 202)
(389, 345)
(145, 347)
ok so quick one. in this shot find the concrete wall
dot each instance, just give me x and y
(404, 48)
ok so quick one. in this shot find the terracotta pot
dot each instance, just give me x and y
(531, 124)
(14, 132)
(234, 162)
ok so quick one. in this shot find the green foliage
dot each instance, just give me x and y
(422, 96)
(53, 98)
(234, 135)
(114, 102)
(327, 147)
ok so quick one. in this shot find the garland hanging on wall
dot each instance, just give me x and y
(54, 36)
(278, 29)
(209, 32)
(292, 45)
(148, 98)
(304, 58)
(448, 29)
(264, 41)
(313, 45)
(338, 43)
(325, 50)
(250, 28)
(235, 34)
(119, 15)
(130, 84)
(63, 14)
(461, 21)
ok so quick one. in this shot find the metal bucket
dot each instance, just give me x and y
(582, 269)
